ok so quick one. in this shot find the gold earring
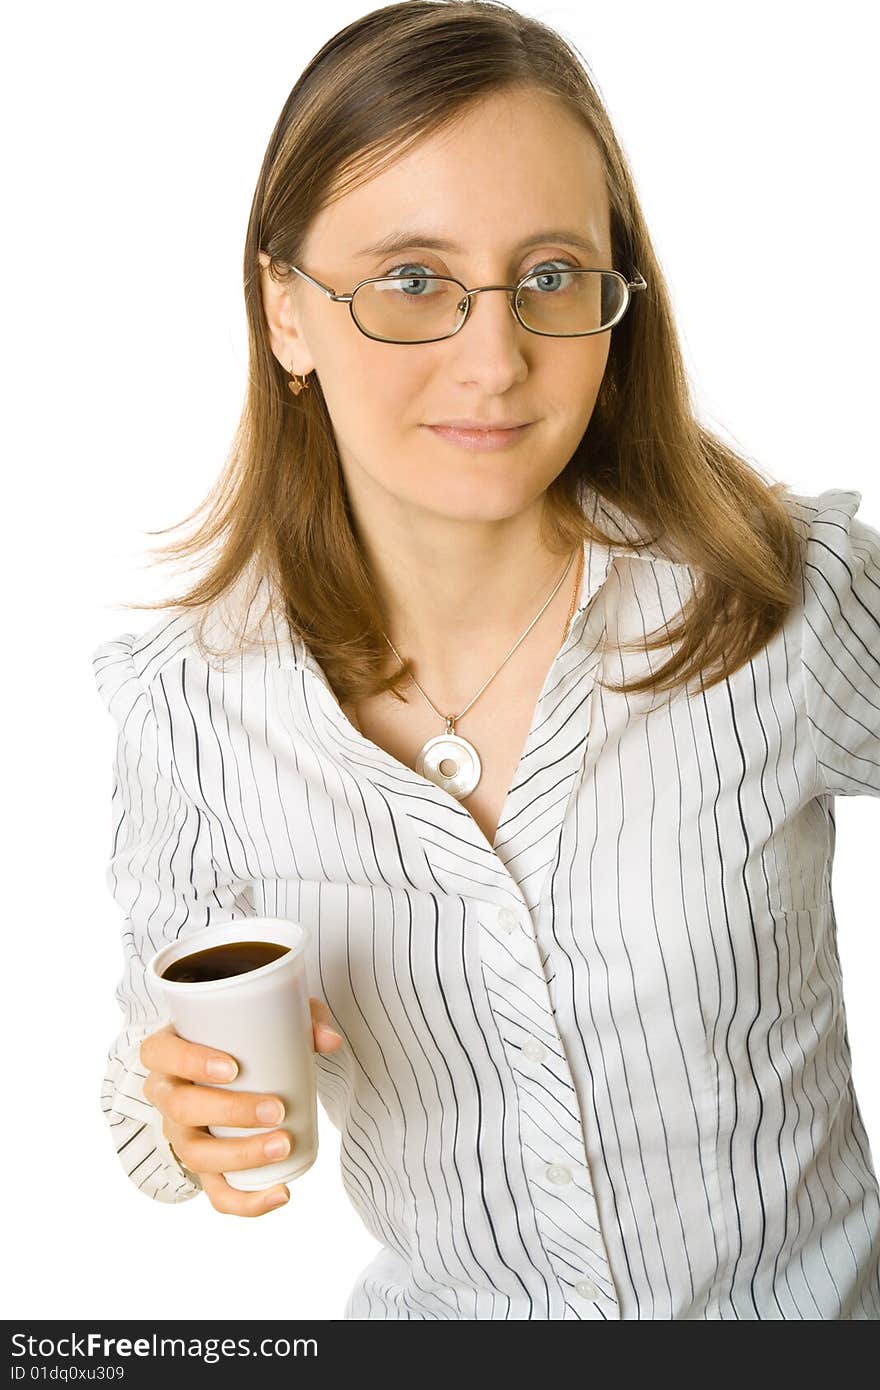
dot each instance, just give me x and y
(296, 385)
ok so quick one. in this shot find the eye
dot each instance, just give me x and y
(410, 265)
(421, 265)
(551, 273)
(555, 260)
(410, 280)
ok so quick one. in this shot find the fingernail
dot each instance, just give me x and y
(328, 1033)
(277, 1146)
(221, 1070)
(278, 1200)
(270, 1112)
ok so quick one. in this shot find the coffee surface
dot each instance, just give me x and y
(219, 962)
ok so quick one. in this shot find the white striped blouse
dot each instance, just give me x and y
(600, 1067)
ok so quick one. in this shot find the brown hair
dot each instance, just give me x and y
(279, 509)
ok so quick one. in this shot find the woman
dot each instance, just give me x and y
(577, 997)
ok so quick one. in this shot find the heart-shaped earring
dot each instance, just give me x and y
(296, 385)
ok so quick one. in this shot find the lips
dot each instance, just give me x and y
(479, 424)
(482, 439)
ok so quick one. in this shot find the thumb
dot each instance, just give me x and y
(326, 1035)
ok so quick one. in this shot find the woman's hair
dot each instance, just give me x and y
(279, 511)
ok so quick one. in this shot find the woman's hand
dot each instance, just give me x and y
(175, 1069)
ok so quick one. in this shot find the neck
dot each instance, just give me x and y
(458, 594)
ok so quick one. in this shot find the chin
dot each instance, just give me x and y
(479, 503)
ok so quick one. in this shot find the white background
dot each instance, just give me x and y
(133, 139)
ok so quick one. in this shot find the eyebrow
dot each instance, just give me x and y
(408, 240)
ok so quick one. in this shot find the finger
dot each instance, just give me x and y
(320, 1011)
(152, 1044)
(188, 1104)
(231, 1202)
(166, 1051)
(326, 1039)
(326, 1036)
(202, 1153)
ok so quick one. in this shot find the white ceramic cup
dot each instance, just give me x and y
(262, 1019)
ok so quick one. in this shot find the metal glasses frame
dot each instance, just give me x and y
(512, 290)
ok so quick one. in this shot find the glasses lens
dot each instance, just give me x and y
(562, 302)
(409, 308)
(424, 308)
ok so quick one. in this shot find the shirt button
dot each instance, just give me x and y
(586, 1288)
(559, 1174)
(507, 918)
(534, 1050)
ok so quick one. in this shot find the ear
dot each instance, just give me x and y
(282, 321)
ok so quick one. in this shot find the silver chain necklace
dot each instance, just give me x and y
(450, 761)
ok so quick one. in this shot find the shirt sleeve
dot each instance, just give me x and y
(841, 645)
(159, 852)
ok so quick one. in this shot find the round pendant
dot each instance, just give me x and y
(450, 762)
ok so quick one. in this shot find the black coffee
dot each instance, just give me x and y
(218, 962)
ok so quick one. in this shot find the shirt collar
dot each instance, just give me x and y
(629, 538)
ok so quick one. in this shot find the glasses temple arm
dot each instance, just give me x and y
(325, 289)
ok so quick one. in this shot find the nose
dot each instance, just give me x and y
(489, 346)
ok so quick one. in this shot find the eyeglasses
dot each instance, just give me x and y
(578, 303)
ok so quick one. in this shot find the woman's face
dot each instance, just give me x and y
(518, 164)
